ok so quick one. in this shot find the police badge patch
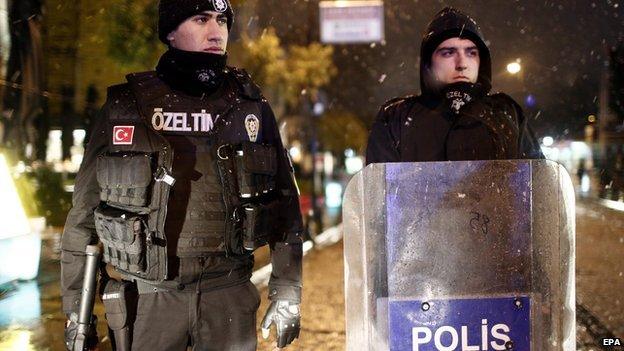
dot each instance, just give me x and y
(219, 5)
(252, 124)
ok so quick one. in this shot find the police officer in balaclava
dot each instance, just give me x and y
(184, 176)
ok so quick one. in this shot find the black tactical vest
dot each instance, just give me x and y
(131, 218)
(161, 187)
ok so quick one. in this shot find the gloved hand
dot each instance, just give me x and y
(457, 95)
(71, 333)
(286, 317)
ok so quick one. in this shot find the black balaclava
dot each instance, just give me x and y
(195, 73)
(173, 12)
(451, 23)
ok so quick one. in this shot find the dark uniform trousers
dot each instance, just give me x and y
(222, 319)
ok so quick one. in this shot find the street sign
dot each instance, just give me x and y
(351, 22)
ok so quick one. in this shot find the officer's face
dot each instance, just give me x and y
(455, 60)
(205, 32)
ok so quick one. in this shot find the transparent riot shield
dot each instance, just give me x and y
(460, 256)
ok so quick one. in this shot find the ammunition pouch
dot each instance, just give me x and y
(256, 166)
(125, 178)
(124, 235)
(247, 173)
(120, 299)
(125, 220)
(256, 225)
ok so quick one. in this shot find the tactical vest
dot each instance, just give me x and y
(212, 199)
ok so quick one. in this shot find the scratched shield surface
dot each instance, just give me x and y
(471, 236)
(460, 229)
(457, 231)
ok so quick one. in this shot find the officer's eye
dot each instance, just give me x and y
(222, 20)
(202, 19)
(473, 53)
(447, 53)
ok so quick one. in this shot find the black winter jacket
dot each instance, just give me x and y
(417, 129)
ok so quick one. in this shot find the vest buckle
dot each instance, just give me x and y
(227, 151)
(162, 175)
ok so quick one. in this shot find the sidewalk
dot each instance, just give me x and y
(322, 307)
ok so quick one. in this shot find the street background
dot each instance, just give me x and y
(562, 61)
(32, 320)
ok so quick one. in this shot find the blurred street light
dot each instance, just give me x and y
(333, 194)
(295, 153)
(514, 67)
(14, 221)
(20, 247)
(530, 100)
(354, 164)
(318, 108)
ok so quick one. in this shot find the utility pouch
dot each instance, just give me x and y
(125, 178)
(256, 166)
(120, 300)
(227, 175)
(124, 235)
(247, 172)
(255, 226)
(251, 217)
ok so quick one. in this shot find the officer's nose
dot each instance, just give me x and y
(215, 38)
(460, 62)
(213, 33)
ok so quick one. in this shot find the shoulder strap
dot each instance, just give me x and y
(121, 103)
(244, 83)
(146, 87)
(397, 101)
(503, 101)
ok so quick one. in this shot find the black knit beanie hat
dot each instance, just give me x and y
(173, 12)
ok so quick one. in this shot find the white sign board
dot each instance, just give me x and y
(351, 22)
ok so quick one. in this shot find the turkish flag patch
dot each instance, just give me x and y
(122, 135)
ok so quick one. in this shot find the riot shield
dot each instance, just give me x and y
(460, 256)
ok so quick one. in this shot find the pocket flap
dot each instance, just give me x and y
(124, 170)
(259, 159)
(114, 299)
(113, 224)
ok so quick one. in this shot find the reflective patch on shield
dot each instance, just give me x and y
(252, 124)
(219, 5)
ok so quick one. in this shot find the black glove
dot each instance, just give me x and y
(458, 95)
(71, 332)
(286, 317)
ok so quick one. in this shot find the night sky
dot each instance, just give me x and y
(561, 45)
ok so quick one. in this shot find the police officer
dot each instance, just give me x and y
(184, 176)
(455, 117)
